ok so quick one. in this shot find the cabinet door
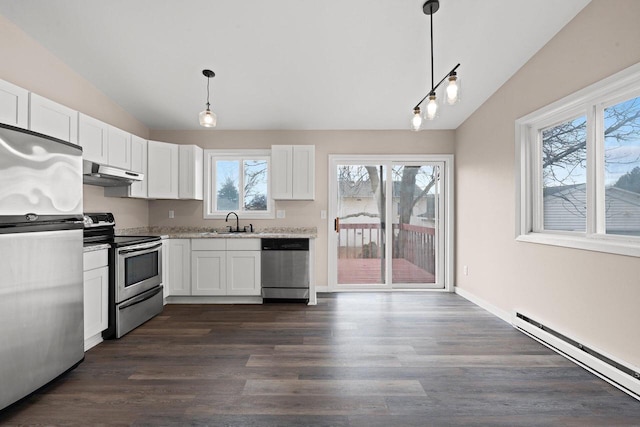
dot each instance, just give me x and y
(179, 267)
(303, 175)
(92, 136)
(14, 105)
(139, 164)
(119, 143)
(53, 119)
(281, 170)
(96, 288)
(243, 273)
(162, 170)
(190, 172)
(208, 273)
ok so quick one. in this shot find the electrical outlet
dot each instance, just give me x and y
(280, 214)
(323, 214)
(466, 270)
(172, 214)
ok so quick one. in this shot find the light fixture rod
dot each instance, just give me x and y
(433, 89)
(431, 19)
(208, 74)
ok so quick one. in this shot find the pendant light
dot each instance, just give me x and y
(451, 93)
(208, 118)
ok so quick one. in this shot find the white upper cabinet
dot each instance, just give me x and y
(119, 144)
(162, 170)
(137, 189)
(103, 143)
(293, 172)
(92, 136)
(139, 164)
(304, 172)
(14, 105)
(53, 119)
(190, 171)
(281, 170)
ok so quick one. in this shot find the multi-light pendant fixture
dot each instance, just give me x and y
(208, 118)
(451, 93)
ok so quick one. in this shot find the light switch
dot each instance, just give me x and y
(172, 214)
(323, 214)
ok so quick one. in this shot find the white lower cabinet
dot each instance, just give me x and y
(96, 296)
(243, 273)
(225, 267)
(179, 267)
(208, 273)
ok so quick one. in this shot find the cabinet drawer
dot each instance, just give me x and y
(213, 244)
(95, 259)
(243, 244)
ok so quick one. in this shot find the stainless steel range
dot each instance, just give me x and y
(135, 274)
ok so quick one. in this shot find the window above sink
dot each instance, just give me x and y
(237, 181)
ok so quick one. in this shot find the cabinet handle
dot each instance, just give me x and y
(336, 225)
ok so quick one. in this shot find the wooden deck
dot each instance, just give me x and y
(356, 271)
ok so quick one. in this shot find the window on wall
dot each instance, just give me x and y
(237, 182)
(579, 169)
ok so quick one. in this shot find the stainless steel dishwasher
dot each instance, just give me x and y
(285, 270)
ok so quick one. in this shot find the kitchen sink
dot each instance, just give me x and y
(217, 233)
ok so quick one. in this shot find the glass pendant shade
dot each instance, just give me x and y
(452, 90)
(416, 120)
(432, 108)
(208, 118)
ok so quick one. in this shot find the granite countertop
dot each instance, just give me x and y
(208, 233)
(96, 247)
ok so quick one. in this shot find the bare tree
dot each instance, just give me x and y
(564, 147)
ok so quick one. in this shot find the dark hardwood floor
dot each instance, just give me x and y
(379, 359)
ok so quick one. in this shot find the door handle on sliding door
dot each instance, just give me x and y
(336, 224)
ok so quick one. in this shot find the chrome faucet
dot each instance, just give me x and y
(237, 222)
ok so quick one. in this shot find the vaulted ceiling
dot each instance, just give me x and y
(290, 64)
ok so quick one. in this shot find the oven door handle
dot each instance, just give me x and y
(139, 249)
(140, 298)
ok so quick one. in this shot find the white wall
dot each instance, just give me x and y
(590, 296)
(298, 213)
(27, 64)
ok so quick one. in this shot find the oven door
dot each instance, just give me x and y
(138, 269)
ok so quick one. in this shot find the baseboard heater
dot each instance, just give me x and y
(617, 374)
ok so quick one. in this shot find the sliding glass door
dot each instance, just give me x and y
(416, 217)
(359, 224)
(389, 228)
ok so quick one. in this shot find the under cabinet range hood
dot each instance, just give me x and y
(108, 176)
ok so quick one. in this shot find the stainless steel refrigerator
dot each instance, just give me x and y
(41, 291)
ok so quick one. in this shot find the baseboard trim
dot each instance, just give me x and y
(585, 356)
(92, 341)
(484, 304)
(616, 377)
(213, 300)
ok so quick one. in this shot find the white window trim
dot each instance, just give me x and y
(589, 101)
(209, 191)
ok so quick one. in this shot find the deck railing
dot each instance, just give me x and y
(414, 243)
